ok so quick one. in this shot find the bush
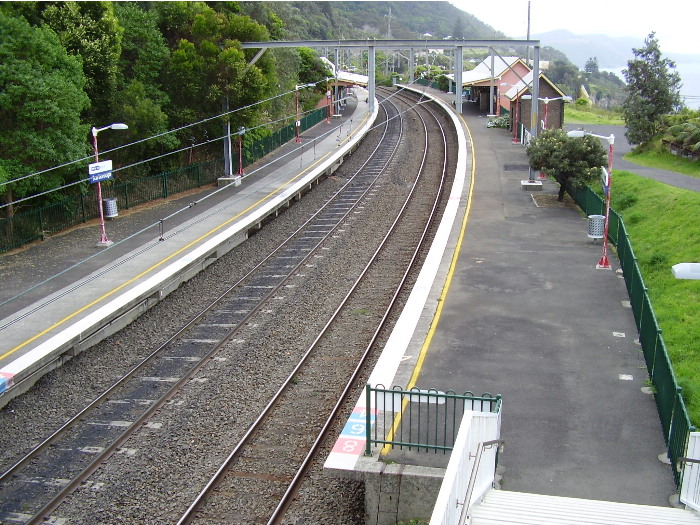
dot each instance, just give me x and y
(499, 122)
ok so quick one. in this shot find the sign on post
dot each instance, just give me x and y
(605, 180)
(99, 171)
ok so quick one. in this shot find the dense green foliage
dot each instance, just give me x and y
(571, 161)
(683, 130)
(654, 91)
(41, 100)
(68, 66)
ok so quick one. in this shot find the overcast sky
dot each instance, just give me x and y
(674, 21)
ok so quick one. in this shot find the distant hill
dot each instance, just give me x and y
(611, 52)
(406, 20)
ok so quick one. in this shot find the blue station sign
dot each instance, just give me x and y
(99, 171)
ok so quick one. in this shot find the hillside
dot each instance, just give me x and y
(348, 20)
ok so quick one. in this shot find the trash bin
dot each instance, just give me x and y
(109, 207)
(596, 226)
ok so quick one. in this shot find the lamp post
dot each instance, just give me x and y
(241, 132)
(604, 263)
(298, 122)
(546, 101)
(104, 242)
(328, 103)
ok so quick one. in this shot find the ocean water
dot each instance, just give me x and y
(689, 70)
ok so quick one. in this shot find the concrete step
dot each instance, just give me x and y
(501, 507)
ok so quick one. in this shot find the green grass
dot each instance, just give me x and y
(662, 222)
(575, 114)
(660, 158)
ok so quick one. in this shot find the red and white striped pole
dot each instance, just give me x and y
(604, 263)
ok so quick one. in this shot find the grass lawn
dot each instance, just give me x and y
(662, 222)
(574, 114)
(664, 160)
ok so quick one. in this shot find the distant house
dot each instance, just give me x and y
(511, 79)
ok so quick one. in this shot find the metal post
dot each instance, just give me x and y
(515, 123)
(241, 131)
(459, 56)
(493, 80)
(368, 420)
(371, 74)
(328, 103)
(103, 234)
(298, 124)
(604, 263)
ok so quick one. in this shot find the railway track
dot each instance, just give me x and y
(62, 468)
(262, 463)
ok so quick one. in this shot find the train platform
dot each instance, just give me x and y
(510, 303)
(62, 295)
(518, 308)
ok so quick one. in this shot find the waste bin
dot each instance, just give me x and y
(109, 207)
(596, 226)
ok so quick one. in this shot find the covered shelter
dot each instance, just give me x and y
(550, 108)
(490, 78)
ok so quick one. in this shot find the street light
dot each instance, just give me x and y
(241, 132)
(604, 263)
(298, 122)
(104, 242)
(565, 98)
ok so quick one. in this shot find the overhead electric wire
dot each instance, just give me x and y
(203, 121)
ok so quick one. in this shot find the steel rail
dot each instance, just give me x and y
(101, 398)
(293, 486)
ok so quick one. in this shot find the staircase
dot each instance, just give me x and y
(500, 507)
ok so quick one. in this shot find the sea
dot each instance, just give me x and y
(688, 67)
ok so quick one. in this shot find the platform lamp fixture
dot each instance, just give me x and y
(604, 263)
(565, 98)
(104, 242)
(328, 103)
(298, 122)
(241, 132)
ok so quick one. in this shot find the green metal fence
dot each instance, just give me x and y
(38, 223)
(671, 407)
(425, 420)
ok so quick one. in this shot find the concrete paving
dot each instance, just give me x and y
(529, 316)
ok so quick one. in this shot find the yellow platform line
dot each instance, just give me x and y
(441, 301)
(166, 259)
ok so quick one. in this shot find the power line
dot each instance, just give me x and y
(185, 148)
(203, 121)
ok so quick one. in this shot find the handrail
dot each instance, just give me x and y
(472, 479)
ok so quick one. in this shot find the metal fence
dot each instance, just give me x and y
(425, 420)
(40, 222)
(673, 413)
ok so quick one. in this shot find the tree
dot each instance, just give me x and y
(141, 99)
(41, 99)
(591, 67)
(571, 161)
(90, 30)
(654, 91)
